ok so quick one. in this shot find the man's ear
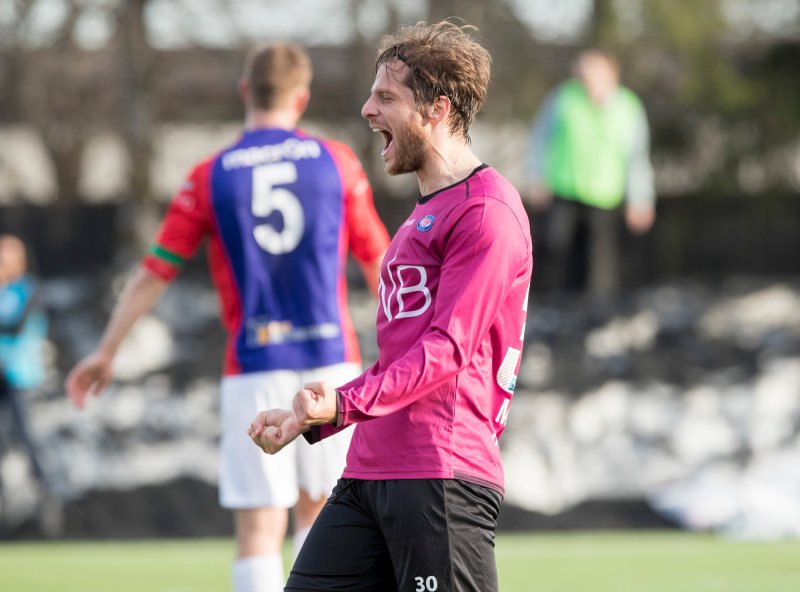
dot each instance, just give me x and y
(301, 101)
(243, 90)
(439, 110)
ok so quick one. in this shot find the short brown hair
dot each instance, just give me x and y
(273, 71)
(444, 60)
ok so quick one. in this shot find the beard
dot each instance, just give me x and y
(411, 150)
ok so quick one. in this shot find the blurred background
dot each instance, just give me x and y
(674, 404)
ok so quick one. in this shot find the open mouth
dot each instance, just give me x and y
(388, 138)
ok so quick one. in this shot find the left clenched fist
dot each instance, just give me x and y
(274, 429)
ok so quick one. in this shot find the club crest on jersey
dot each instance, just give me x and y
(425, 224)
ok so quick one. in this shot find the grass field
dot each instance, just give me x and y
(581, 562)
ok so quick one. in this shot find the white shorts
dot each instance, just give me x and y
(249, 478)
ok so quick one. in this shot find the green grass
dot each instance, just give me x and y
(582, 562)
(649, 562)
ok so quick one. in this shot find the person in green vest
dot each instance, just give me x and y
(588, 160)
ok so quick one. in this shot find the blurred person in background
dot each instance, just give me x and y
(280, 210)
(417, 505)
(589, 157)
(23, 330)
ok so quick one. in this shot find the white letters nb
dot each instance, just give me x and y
(399, 289)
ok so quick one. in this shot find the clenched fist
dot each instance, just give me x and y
(315, 404)
(274, 429)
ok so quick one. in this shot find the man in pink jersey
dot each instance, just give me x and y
(280, 210)
(417, 506)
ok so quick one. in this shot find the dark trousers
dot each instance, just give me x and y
(14, 413)
(421, 535)
(15, 432)
(578, 248)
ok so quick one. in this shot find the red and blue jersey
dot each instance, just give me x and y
(281, 209)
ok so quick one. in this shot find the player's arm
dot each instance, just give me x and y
(537, 191)
(274, 429)
(372, 273)
(367, 238)
(139, 296)
(640, 212)
(92, 374)
(182, 230)
(317, 406)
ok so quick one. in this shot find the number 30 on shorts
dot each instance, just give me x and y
(428, 584)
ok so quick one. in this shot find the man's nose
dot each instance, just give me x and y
(368, 110)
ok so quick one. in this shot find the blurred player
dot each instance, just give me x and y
(23, 331)
(280, 209)
(417, 506)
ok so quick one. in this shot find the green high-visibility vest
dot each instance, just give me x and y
(587, 157)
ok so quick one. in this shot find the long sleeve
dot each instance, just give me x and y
(640, 189)
(185, 225)
(539, 137)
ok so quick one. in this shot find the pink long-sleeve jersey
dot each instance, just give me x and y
(450, 325)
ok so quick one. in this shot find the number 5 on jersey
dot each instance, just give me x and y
(267, 198)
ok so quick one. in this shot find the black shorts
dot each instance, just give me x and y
(420, 535)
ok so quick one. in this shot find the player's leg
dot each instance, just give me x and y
(259, 536)
(560, 237)
(472, 512)
(5, 447)
(305, 512)
(258, 487)
(49, 511)
(604, 256)
(440, 533)
(320, 466)
(345, 549)
(577, 260)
